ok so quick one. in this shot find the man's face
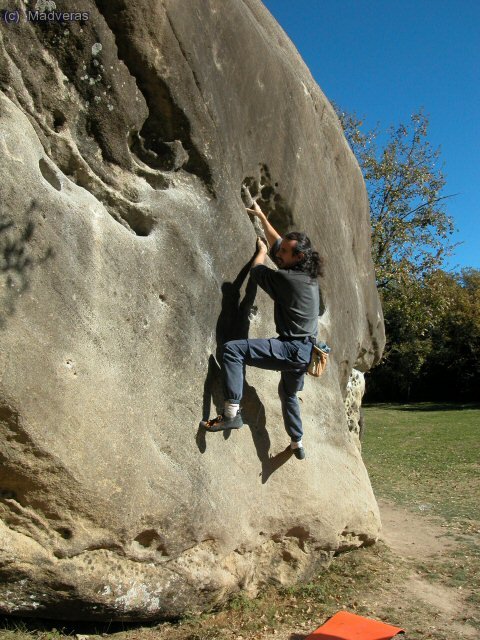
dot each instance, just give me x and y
(284, 257)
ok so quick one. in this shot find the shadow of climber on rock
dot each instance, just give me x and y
(234, 324)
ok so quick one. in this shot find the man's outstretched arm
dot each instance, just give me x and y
(261, 254)
(270, 232)
(261, 274)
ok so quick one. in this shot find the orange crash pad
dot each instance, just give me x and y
(349, 626)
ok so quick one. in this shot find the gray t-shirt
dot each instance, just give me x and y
(296, 297)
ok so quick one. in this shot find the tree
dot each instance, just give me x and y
(432, 318)
(412, 309)
(452, 368)
(433, 348)
(410, 228)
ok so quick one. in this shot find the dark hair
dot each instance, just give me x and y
(312, 263)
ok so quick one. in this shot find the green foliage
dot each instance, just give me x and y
(433, 347)
(410, 228)
(453, 364)
(431, 317)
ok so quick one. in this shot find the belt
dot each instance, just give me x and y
(304, 339)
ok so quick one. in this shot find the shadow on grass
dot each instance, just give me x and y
(72, 627)
(424, 406)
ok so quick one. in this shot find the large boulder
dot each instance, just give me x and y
(124, 246)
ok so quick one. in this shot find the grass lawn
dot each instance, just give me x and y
(426, 457)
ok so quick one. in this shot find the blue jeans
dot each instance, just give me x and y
(290, 356)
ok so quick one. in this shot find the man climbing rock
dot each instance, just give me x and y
(294, 290)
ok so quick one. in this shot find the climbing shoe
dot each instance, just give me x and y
(299, 453)
(220, 423)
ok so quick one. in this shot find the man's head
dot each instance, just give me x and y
(287, 255)
(296, 252)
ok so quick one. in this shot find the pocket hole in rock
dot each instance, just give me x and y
(151, 540)
(49, 174)
(59, 120)
(65, 532)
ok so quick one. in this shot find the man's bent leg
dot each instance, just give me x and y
(290, 383)
(234, 355)
(256, 352)
(233, 370)
(264, 353)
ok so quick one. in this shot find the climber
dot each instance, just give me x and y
(294, 290)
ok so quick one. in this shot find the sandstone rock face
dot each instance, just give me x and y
(353, 404)
(124, 250)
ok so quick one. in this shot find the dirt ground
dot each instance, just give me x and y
(414, 538)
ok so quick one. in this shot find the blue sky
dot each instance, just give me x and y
(386, 59)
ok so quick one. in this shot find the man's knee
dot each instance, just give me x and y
(228, 346)
(289, 386)
(234, 350)
(285, 392)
